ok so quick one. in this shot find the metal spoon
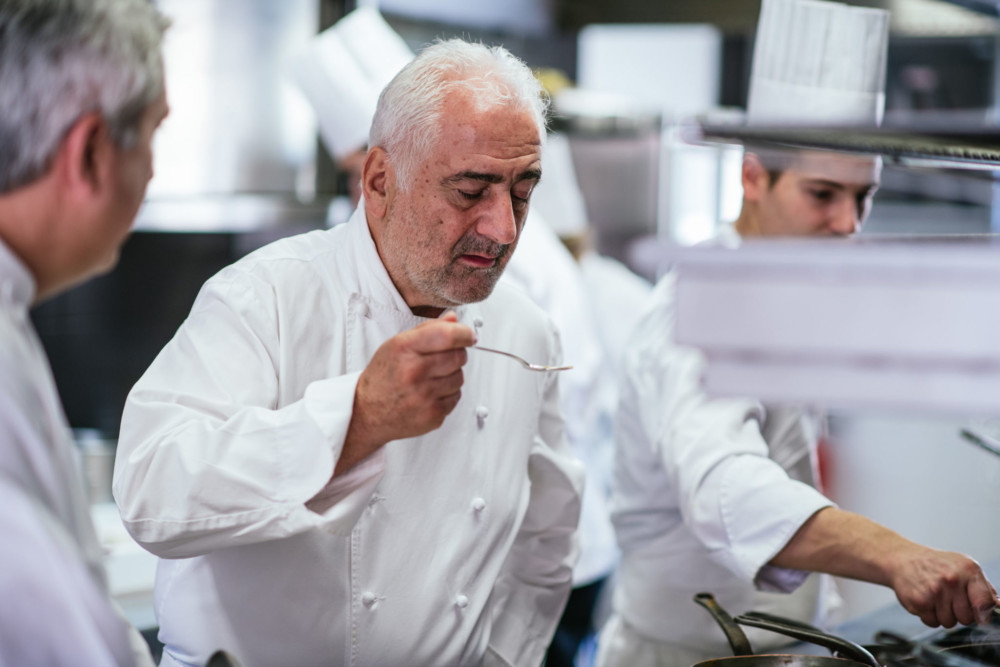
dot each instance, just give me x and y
(530, 366)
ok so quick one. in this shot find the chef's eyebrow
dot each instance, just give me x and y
(838, 185)
(473, 176)
(826, 183)
(530, 174)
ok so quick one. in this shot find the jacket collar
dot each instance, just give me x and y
(376, 284)
(17, 285)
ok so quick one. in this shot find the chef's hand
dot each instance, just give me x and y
(942, 587)
(408, 388)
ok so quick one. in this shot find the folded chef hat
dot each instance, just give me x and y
(818, 63)
(342, 72)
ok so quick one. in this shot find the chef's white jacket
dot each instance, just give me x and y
(453, 548)
(595, 302)
(55, 607)
(699, 503)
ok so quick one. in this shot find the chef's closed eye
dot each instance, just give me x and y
(521, 192)
(472, 195)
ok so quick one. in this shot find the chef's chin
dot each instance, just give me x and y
(476, 287)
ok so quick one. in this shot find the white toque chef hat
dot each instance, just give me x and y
(557, 197)
(343, 70)
(818, 63)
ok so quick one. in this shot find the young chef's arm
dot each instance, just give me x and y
(940, 587)
(537, 576)
(234, 427)
(704, 456)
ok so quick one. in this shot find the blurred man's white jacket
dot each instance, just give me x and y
(56, 608)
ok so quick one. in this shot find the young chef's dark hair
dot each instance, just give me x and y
(61, 59)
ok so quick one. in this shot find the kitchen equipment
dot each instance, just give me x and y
(981, 439)
(734, 633)
(803, 632)
(730, 626)
(898, 650)
(530, 366)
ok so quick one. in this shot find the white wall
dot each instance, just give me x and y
(915, 475)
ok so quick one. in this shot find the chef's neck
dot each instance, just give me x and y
(748, 222)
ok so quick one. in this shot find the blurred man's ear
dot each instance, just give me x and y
(82, 160)
(755, 178)
(377, 181)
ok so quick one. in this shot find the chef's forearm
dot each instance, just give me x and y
(360, 442)
(843, 544)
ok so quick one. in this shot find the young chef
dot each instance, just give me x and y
(718, 494)
(81, 94)
(328, 471)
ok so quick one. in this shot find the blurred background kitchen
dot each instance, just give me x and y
(239, 163)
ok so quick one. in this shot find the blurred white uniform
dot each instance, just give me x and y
(55, 608)
(594, 302)
(702, 502)
(707, 490)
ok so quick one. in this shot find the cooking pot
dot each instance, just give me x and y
(855, 655)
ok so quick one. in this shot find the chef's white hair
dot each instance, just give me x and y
(406, 118)
(61, 59)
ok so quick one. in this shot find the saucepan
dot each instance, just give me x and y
(849, 653)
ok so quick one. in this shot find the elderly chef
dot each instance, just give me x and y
(328, 468)
(341, 72)
(718, 494)
(81, 95)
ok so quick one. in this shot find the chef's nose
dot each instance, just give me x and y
(845, 220)
(498, 221)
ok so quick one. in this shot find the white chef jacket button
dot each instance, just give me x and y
(482, 412)
(364, 310)
(461, 601)
(478, 504)
(477, 322)
(368, 598)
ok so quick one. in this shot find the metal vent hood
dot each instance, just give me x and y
(239, 148)
(926, 18)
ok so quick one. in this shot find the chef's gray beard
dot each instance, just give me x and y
(466, 284)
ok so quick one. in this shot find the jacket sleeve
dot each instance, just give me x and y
(215, 448)
(537, 576)
(736, 500)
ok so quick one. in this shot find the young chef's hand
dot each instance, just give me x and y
(943, 588)
(411, 384)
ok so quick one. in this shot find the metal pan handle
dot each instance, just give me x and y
(844, 648)
(734, 633)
